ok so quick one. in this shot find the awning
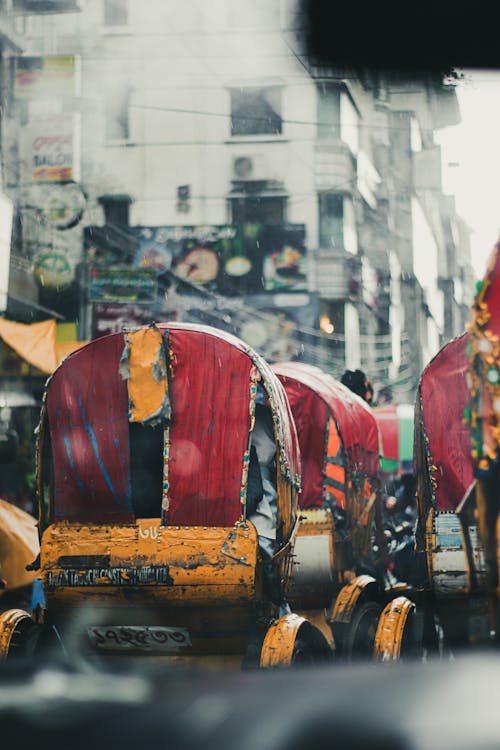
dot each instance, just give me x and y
(37, 343)
(395, 422)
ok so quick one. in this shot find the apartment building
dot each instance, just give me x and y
(199, 165)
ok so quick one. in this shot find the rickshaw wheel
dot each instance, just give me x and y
(394, 637)
(22, 639)
(354, 618)
(15, 627)
(293, 641)
(360, 637)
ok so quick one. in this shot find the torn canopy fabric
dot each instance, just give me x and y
(144, 366)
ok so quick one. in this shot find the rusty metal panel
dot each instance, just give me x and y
(184, 565)
(87, 412)
(313, 560)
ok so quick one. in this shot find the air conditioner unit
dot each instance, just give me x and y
(251, 167)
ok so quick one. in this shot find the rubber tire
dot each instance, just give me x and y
(359, 639)
(32, 643)
(303, 654)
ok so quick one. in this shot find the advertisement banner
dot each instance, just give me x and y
(52, 76)
(51, 147)
(231, 259)
(122, 285)
(114, 317)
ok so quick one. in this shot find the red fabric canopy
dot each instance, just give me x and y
(87, 408)
(444, 396)
(209, 432)
(87, 413)
(313, 394)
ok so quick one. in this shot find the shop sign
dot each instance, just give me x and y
(114, 317)
(51, 145)
(45, 77)
(122, 285)
(53, 270)
(239, 258)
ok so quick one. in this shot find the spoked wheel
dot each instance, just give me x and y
(395, 637)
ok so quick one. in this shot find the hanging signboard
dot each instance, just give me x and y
(45, 77)
(51, 148)
(114, 317)
(122, 285)
(239, 258)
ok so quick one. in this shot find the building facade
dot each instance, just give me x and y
(186, 159)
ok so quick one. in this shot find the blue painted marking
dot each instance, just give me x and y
(37, 594)
(69, 453)
(128, 480)
(93, 440)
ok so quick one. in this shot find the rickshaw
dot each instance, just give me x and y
(456, 455)
(146, 548)
(337, 580)
(482, 416)
(447, 537)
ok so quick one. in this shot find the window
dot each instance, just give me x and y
(115, 12)
(415, 137)
(256, 111)
(116, 209)
(337, 222)
(331, 220)
(349, 122)
(117, 116)
(328, 106)
(255, 210)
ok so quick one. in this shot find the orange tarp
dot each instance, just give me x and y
(19, 545)
(36, 343)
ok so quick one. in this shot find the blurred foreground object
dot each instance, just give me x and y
(404, 707)
(36, 343)
(19, 547)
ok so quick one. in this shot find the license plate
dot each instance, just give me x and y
(139, 638)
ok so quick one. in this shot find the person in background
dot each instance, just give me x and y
(358, 383)
(262, 496)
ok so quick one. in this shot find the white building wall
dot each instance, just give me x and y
(425, 265)
(179, 64)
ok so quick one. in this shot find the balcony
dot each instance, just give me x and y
(335, 274)
(334, 166)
